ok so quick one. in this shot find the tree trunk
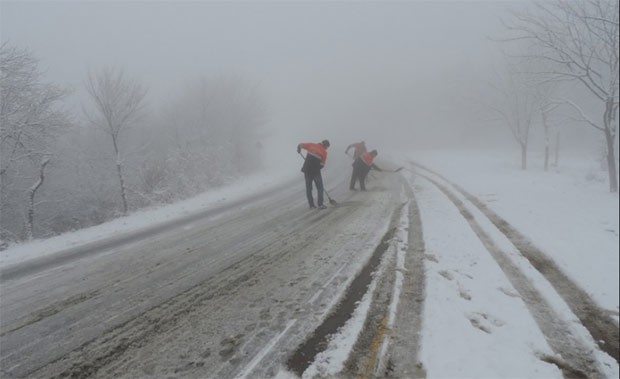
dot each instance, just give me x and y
(119, 172)
(557, 150)
(609, 118)
(611, 161)
(523, 156)
(546, 129)
(122, 184)
(31, 193)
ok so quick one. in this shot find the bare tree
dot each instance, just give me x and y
(580, 41)
(514, 104)
(545, 104)
(119, 102)
(31, 118)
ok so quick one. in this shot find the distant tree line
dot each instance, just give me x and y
(562, 66)
(61, 171)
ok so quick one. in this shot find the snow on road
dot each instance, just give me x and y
(476, 320)
(568, 212)
(475, 323)
(471, 309)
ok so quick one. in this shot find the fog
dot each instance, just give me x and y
(228, 82)
(394, 73)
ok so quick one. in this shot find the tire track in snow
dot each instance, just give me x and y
(403, 349)
(577, 359)
(596, 320)
(305, 354)
(390, 342)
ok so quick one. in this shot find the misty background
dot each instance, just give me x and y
(224, 89)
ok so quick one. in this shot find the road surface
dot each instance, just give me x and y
(256, 288)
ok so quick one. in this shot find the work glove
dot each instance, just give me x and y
(298, 149)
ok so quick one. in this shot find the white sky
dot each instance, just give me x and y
(343, 68)
(265, 39)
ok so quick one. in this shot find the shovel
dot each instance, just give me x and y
(397, 170)
(331, 201)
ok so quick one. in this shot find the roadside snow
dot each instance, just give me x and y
(482, 328)
(244, 187)
(567, 212)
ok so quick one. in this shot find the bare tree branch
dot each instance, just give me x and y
(580, 41)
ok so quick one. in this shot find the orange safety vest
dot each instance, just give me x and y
(367, 158)
(316, 150)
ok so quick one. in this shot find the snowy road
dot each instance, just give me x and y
(202, 299)
(410, 279)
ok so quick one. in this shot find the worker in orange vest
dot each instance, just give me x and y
(361, 167)
(359, 148)
(313, 163)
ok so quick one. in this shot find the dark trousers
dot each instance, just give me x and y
(360, 170)
(318, 181)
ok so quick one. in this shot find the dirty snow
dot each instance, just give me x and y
(567, 212)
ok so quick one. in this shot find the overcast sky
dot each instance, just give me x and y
(323, 66)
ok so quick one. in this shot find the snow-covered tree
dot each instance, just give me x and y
(31, 197)
(31, 118)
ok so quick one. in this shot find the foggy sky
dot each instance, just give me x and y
(390, 72)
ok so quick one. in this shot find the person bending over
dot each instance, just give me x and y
(313, 164)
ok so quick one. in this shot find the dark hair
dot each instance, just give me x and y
(325, 143)
(374, 152)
